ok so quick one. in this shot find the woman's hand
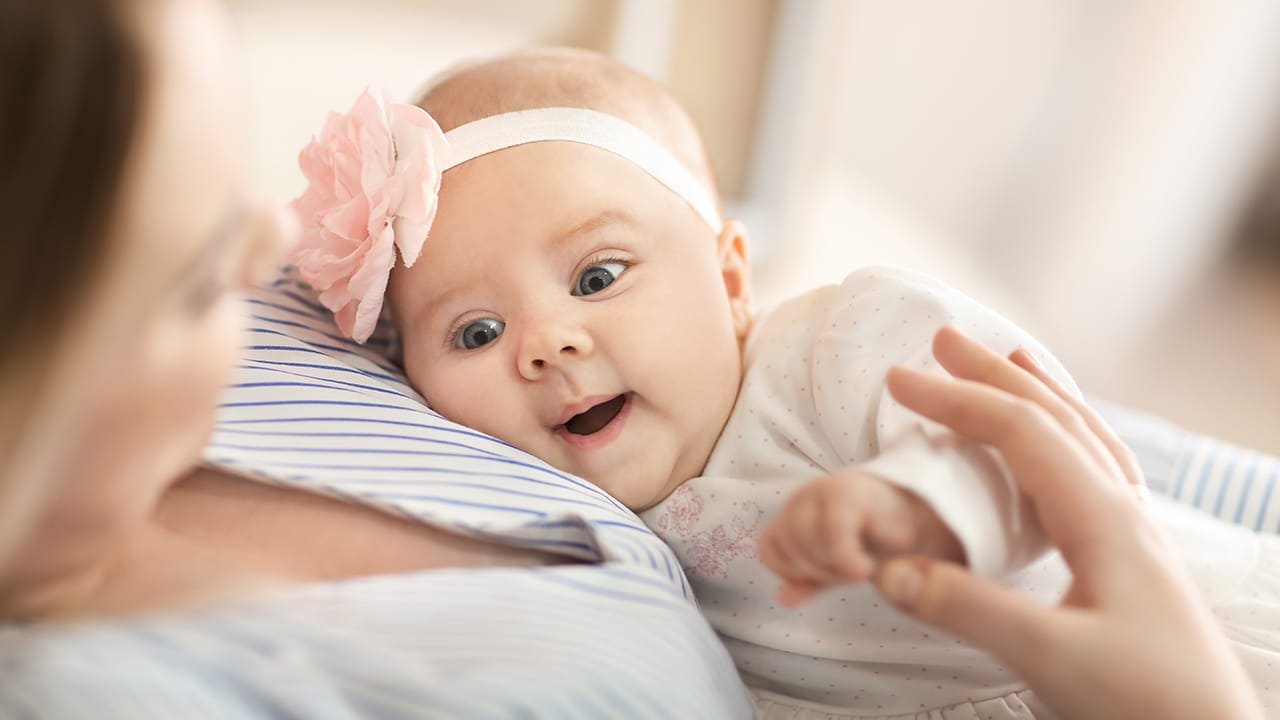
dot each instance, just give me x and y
(1131, 637)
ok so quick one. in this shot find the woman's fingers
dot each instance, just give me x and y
(1014, 426)
(966, 358)
(1123, 455)
(1046, 461)
(989, 616)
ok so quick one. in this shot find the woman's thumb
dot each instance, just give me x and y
(988, 616)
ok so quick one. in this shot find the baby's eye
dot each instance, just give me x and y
(598, 277)
(479, 333)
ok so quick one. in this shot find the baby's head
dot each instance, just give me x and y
(568, 302)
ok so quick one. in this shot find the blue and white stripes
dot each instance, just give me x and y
(564, 642)
(1229, 482)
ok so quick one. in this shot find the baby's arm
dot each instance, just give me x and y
(950, 497)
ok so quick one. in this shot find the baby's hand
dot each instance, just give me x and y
(837, 529)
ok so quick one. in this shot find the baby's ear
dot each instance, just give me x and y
(735, 267)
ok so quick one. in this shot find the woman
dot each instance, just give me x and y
(128, 240)
(128, 243)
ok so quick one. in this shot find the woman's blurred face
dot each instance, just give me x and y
(160, 326)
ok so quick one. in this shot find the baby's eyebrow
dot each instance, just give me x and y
(601, 219)
(434, 303)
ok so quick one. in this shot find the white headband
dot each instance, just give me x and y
(589, 127)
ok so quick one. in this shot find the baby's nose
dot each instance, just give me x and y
(552, 344)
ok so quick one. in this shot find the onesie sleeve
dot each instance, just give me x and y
(882, 317)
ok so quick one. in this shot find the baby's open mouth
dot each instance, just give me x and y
(593, 420)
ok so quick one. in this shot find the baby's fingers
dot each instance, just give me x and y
(808, 555)
(787, 547)
(770, 554)
(776, 553)
(838, 535)
(799, 583)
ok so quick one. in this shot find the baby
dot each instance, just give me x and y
(580, 298)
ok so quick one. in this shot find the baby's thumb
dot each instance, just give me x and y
(989, 616)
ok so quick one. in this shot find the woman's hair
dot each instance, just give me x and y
(72, 75)
(71, 95)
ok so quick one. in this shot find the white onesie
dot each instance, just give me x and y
(813, 401)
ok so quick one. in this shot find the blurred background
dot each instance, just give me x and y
(1107, 174)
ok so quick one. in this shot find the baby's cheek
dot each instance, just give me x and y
(443, 395)
(477, 402)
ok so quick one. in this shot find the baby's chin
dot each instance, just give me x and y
(642, 495)
(639, 496)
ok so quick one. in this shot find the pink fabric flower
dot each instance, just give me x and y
(373, 176)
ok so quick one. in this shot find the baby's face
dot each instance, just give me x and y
(571, 305)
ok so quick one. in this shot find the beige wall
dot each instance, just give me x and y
(717, 63)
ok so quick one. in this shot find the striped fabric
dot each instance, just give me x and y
(578, 641)
(1227, 481)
